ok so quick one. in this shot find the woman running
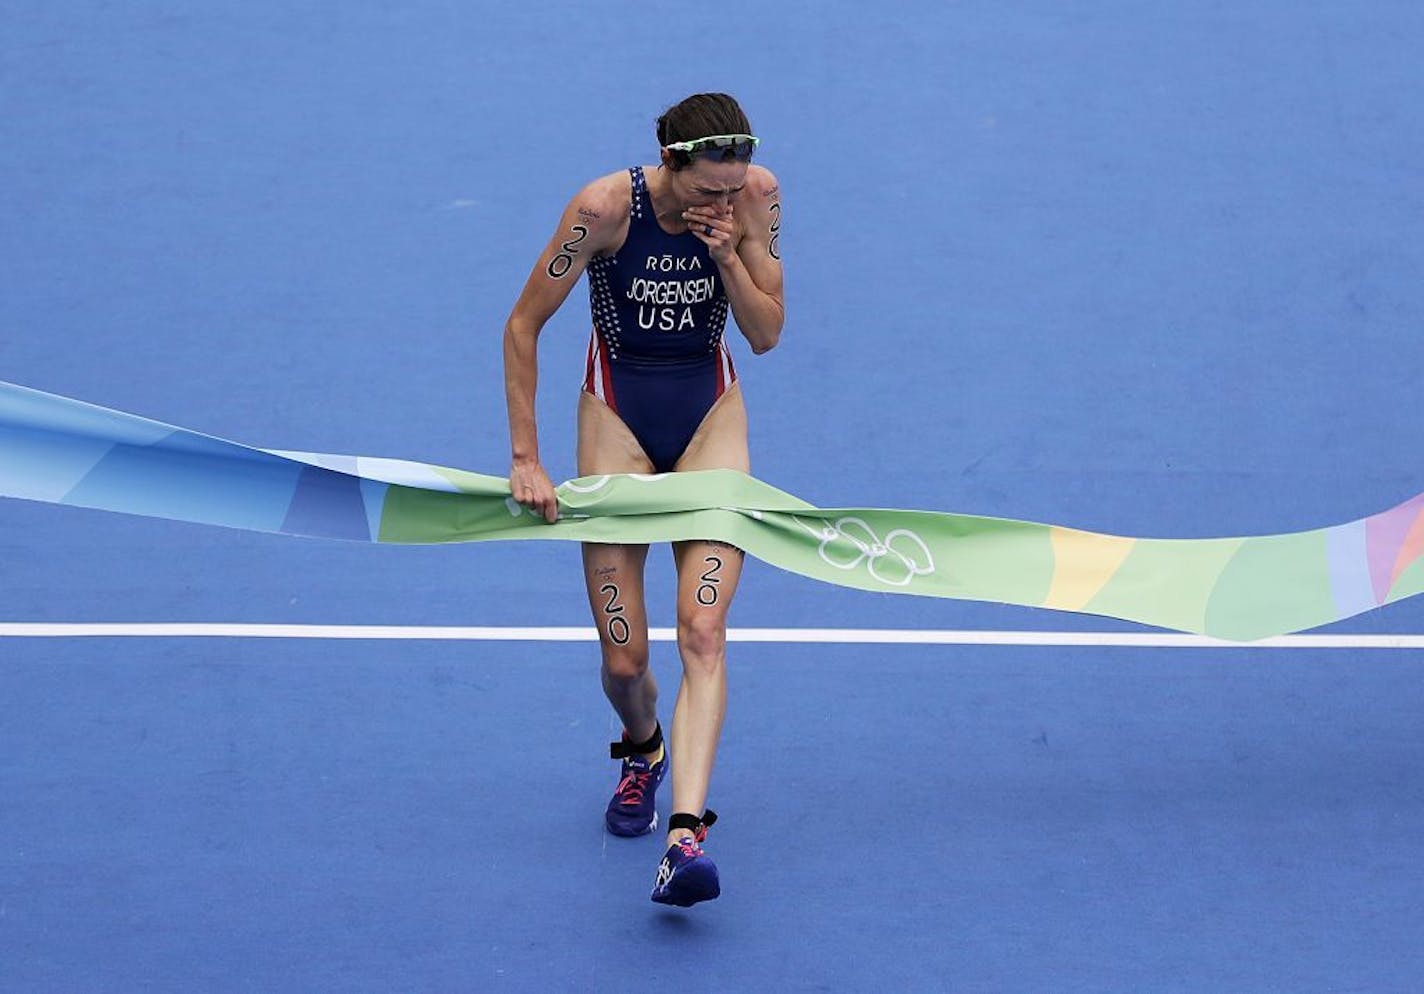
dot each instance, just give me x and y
(669, 249)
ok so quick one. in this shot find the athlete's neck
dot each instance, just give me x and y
(667, 208)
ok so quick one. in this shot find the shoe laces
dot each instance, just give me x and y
(632, 787)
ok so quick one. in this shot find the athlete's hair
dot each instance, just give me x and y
(699, 116)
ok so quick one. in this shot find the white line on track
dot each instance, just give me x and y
(818, 636)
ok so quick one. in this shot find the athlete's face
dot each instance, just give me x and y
(704, 183)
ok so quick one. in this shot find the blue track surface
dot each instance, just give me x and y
(1146, 269)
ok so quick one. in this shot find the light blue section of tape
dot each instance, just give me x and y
(373, 495)
(21, 407)
(238, 491)
(1348, 557)
(36, 465)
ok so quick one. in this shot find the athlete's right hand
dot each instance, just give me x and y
(532, 487)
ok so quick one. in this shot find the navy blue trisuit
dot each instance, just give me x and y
(656, 355)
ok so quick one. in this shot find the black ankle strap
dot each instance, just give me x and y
(697, 825)
(623, 749)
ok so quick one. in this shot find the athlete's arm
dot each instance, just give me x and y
(752, 273)
(590, 223)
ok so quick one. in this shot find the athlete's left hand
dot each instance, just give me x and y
(716, 227)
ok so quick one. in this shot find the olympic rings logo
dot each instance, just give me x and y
(895, 561)
(596, 484)
(599, 482)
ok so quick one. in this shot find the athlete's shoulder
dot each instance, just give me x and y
(599, 212)
(604, 201)
(762, 182)
(761, 190)
(759, 200)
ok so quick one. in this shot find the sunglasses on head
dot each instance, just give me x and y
(718, 148)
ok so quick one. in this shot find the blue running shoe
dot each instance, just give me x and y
(633, 809)
(687, 875)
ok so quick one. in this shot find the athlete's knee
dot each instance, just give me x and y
(625, 663)
(702, 637)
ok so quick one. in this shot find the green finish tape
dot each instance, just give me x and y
(62, 451)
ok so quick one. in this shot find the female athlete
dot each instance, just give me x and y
(669, 249)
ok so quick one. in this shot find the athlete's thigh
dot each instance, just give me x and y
(708, 572)
(613, 575)
(707, 576)
(605, 443)
(720, 442)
